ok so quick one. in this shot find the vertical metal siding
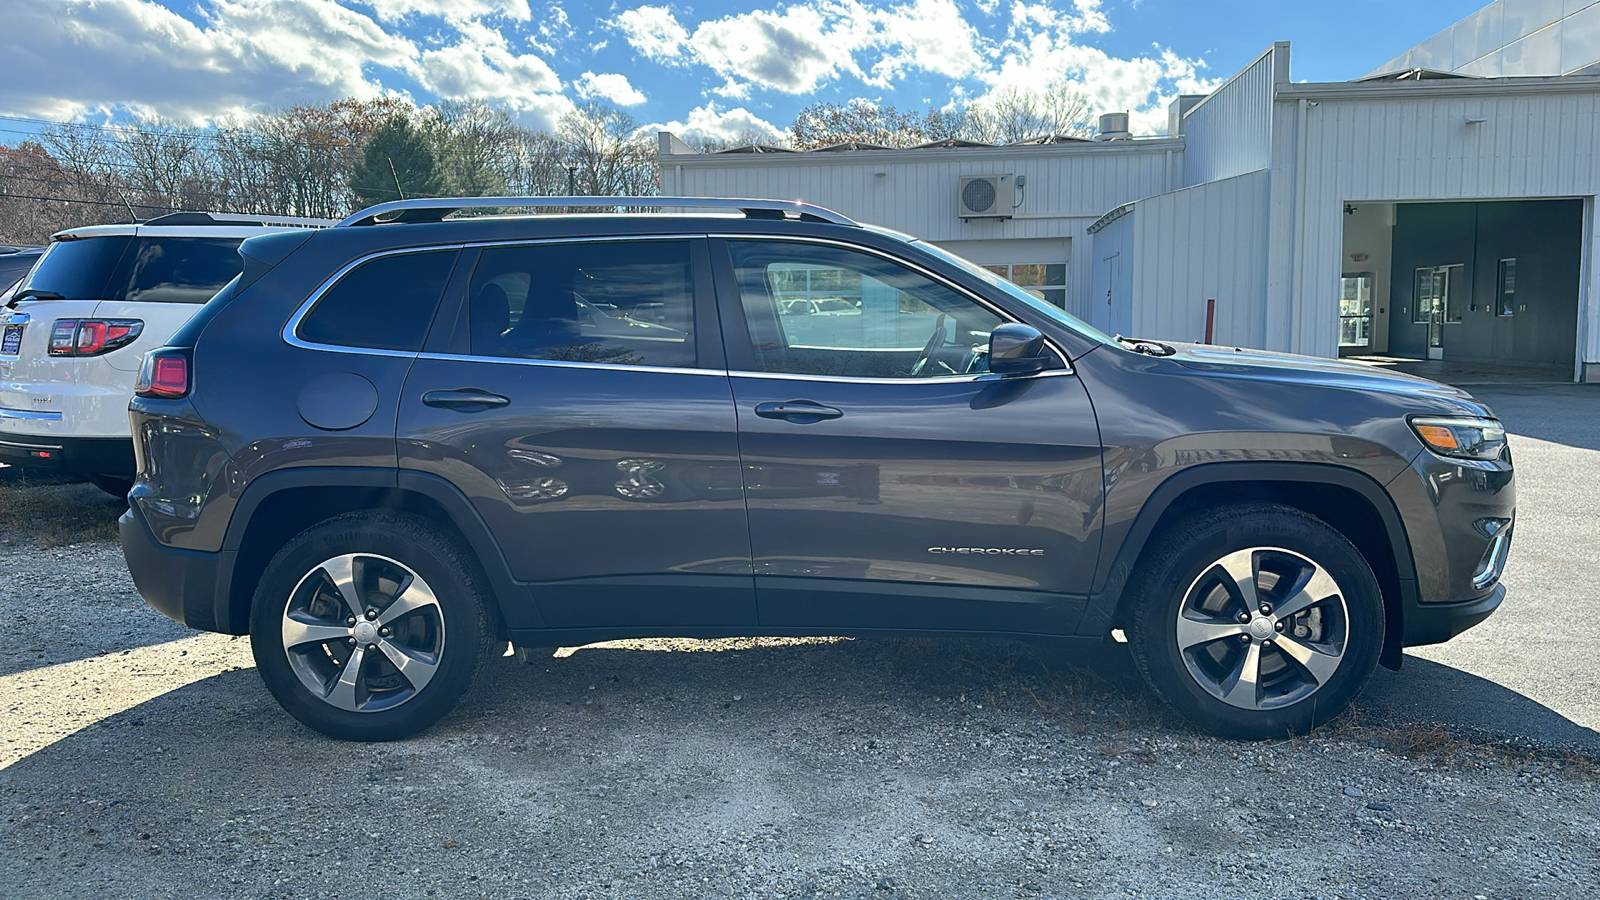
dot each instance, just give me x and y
(1203, 242)
(1230, 132)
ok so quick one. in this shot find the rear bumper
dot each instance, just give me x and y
(182, 585)
(74, 455)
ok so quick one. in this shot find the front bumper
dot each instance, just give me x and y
(1435, 623)
(73, 455)
(184, 585)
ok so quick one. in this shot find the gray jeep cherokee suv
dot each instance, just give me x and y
(389, 447)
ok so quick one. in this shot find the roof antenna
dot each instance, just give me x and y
(123, 196)
(396, 176)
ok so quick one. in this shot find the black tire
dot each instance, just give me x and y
(114, 485)
(1187, 574)
(442, 639)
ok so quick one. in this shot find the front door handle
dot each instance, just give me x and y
(465, 400)
(800, 412)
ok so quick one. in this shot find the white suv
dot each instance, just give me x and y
(74, 330)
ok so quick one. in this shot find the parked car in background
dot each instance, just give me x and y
(73, 331)
(15, 263)
(394, 445)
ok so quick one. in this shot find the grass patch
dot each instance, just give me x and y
(55, 512)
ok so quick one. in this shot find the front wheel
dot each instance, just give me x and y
(370, 626)
(1256, 621)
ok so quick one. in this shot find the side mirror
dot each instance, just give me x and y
(1017, 349)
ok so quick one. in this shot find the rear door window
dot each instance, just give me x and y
(614, 302)
(175, 270)
(79, 269)
(383, 304)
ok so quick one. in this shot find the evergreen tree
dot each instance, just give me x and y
(396, 165)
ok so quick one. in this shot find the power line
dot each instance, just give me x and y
(85, 202)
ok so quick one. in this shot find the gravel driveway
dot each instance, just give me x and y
(139, 759)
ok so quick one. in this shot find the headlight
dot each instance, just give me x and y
(1466, 437)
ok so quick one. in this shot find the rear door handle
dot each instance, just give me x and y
(800, 412)
(465, 400)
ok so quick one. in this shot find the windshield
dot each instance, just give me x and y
(1054, 313)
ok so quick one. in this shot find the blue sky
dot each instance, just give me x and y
(716, 69)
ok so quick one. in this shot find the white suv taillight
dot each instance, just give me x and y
(92, 337)
(164, 374)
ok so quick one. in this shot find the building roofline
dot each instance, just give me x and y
(1280, 73)
(925, 154)
(1451, 87)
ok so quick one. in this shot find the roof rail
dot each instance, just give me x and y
(213, 218)
(436, 209)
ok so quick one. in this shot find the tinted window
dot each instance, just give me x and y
(617, 302)
(79, 269)
(383, 304)
(15, 265)
(175, 270)
(815, 310)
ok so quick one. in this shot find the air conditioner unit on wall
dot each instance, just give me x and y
(987, 196)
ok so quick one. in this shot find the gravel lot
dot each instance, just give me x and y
(139, 759)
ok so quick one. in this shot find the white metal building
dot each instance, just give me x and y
(1425, 217)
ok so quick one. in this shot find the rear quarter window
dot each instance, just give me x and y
(175, 270)
(79, 269)
(382, 304)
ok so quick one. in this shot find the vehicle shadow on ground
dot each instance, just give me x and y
(905, 684)
(1428, 695)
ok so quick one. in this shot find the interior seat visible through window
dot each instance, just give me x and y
(613, 302)
(815, 309)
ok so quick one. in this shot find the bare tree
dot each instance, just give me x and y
(473, 143)
(858, 121)
(606, 153)
(1011, 114)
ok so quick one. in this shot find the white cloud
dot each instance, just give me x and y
(653, 31)
(482, 65)
(708, 123)
(609, 86)
(450, 10)
(72, 56)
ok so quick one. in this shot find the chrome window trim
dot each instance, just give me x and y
(941, 379)
(7, 413)
(568, 364)
(1001, 314)
(290, 328)
(293, 324)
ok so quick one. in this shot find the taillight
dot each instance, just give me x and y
(92, 337)
(164, 373)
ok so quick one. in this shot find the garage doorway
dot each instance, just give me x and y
(1486, 283)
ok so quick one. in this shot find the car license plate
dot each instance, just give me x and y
(11, 344)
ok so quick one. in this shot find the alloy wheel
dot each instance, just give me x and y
(1263, 628)
(363, 632)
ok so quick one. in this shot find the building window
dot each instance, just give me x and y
(1047, 281)
(1505, 303)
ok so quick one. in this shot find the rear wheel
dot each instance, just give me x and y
(1256, 621)
(370, 626)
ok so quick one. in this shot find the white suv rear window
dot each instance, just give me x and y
(144, 270)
